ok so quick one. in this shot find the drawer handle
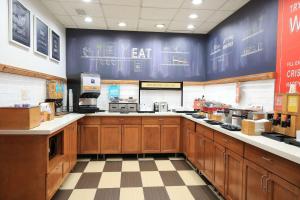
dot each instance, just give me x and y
(266, 159)
(160, 119)
(226, 141)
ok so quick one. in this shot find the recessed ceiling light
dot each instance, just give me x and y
(197, 2)
(193, 16)
(190, 26)
(88, 19)
(86, 1)
(122, 24)
(160, 26)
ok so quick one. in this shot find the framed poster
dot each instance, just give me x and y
(19, 24)
(55, 46)
(41, 37)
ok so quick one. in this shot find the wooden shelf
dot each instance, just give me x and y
(25, 72)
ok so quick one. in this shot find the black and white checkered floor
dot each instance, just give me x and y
(161, 178)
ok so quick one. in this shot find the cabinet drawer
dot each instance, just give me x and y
(230, 143)
(150, 120)
(189, 124)
(284, 168)
(161, 120)
(90, 120)
(206, 132)
(54, 179)
(121, 120)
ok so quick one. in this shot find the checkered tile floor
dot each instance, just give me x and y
(134, 179)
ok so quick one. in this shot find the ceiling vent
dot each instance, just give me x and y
(80, 11)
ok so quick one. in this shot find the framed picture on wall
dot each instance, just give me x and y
(55, 46)
(19, 24)
(41, 37)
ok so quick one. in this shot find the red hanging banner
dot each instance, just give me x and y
(288, 45)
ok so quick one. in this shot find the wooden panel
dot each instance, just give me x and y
(132, 120)
(185, 141)
(189, 124)
(90, 120)
(280, 166)
(150, 120)
(111, 139)
(280, 189)
(170, 137)
(54, 179)
(25, 72)
(254, 181)
(229, 142)
(89, 139)
(131, 139)
(112, 120)
(209, 159)
(66, 150)
(151, 139)
(234, 176)
(219, 167)
(199, 151)
(191, 146)
(206, 132)
(111, 82)
(252, 77)
(23, 161)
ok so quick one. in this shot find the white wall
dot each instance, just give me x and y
(11, 54)
(258, 93)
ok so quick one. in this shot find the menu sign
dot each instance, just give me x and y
(19, 24)
(55, 41)
(41, 37)
(288, 46)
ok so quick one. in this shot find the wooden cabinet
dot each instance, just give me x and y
(69, 147)
(191, 154)
(188, 127)
(234, 176)
(89, 139)
(199, 151)
(54, 179)
(170, 138)
(151, 139)
(111, 139)
(208, 170)
(254, 181)
(131, 139)
(219, 167)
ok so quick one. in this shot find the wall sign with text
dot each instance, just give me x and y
(41, 37)
(55, 46)
(19, 24)
(288, 46)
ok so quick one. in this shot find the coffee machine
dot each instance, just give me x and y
(89, 92)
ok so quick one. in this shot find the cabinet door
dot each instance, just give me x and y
(199, 151)
(185, 142)
(234, 176)
(219, 167)
(73, 145)
(254, 181)
(67, 151)
(209, 159)
(111, 139)
(89, 139)
(281, 189)
(151, 139)
(191, 147)
(170, 135)
(131, 139)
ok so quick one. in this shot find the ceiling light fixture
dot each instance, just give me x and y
(190, 26)
(197, 2)
(122, 24)
(88, 19)
(86, 1)
(193, 16)
(160, 26)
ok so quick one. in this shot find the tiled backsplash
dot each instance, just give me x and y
(15, 89)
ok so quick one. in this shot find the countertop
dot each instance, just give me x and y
(281, 149)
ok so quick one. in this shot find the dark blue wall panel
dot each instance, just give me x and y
(245, 43)
(136, 55)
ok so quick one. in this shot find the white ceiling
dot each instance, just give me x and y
(143, 15)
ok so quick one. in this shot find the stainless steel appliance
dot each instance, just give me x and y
(89, 93)
(238, 115)
(156, 107)
(163, 107)
(123, 107)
